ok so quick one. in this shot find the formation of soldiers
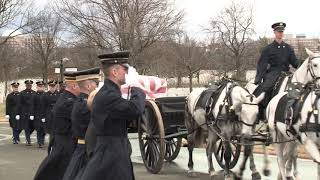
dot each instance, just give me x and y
(87, 141)
(31, 110)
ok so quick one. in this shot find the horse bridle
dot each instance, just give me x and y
(310, 69)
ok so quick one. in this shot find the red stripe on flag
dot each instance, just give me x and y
(152, 84)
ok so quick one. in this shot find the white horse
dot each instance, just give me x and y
(309, 71)
(239, 100)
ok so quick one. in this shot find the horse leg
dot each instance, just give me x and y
(212, 138)
(227, 159)
(247, 152)
(290, 156)
(266, 166)
(280, 159)
(255, 174)
(311, 148)
(295, 167)
(191, 172)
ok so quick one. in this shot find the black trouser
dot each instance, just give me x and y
(16, 134)
(40, 136)
(267, 86)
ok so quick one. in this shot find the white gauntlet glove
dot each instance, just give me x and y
(31, 118)
(7, 116)
(132, 78)
(43, 120)
(17, 117)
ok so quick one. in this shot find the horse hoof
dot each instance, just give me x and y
(290, 178)
(266, 172)
(297, 176)
(192, 174)
(236, 177)
(228, 178)
(256, 176)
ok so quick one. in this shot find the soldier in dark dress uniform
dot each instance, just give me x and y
(275, 58)
(40, 113)
(27, 110)
(54, 165)
(110, 113)
(13, 112)
(51, 99)
(62, 86)
(88, 81)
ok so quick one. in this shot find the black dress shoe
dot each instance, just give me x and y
(40, 146)
(28, 144)
(14, 141)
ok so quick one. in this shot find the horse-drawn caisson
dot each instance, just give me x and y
(225, 119)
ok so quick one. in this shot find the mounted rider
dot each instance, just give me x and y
(275, 59)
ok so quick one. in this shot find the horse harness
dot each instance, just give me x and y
(314, 111)
(226, 103)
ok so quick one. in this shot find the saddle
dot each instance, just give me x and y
(289, 106)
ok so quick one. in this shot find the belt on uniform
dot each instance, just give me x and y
(81, 141)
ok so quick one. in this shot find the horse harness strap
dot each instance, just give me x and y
(312, 127)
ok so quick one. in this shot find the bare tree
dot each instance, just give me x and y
(122, 25)
(9, 63)
(190, 56)
(43, 39)
(14, 17)
(233, 28)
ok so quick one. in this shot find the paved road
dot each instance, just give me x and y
(20, 162)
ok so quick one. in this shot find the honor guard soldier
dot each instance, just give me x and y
(54, 165)
(27, 110)
(275, 58)
(62, 87)
(13, 112)
(40, 113)
(51, 99)
(110, 113)
(88, 81)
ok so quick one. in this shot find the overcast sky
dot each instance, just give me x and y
(299, 15)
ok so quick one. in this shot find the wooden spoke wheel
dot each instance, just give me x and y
(151, 137)
(173, 146)
(226, 148)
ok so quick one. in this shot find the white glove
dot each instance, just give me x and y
(43, 120)
(17, 117)
(31, 118)
(132, 78)
(7, 116)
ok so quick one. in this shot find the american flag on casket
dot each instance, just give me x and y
(154, 87)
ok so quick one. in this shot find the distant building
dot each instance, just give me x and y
(301, 41)
(25, 41)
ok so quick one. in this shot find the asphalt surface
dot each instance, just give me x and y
(20, 162)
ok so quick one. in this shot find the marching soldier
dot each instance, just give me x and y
(110, 113)
(88, 81)
(51, 99)
(54, 165)
(40, 113)
(13, 112)
(27, 110)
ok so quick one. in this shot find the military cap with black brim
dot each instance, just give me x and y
(28, 82)
(120, 58)
(69, 76)
(52, 83)
(279, 26)
(39, 83)
(88, 74)
(15, 84)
